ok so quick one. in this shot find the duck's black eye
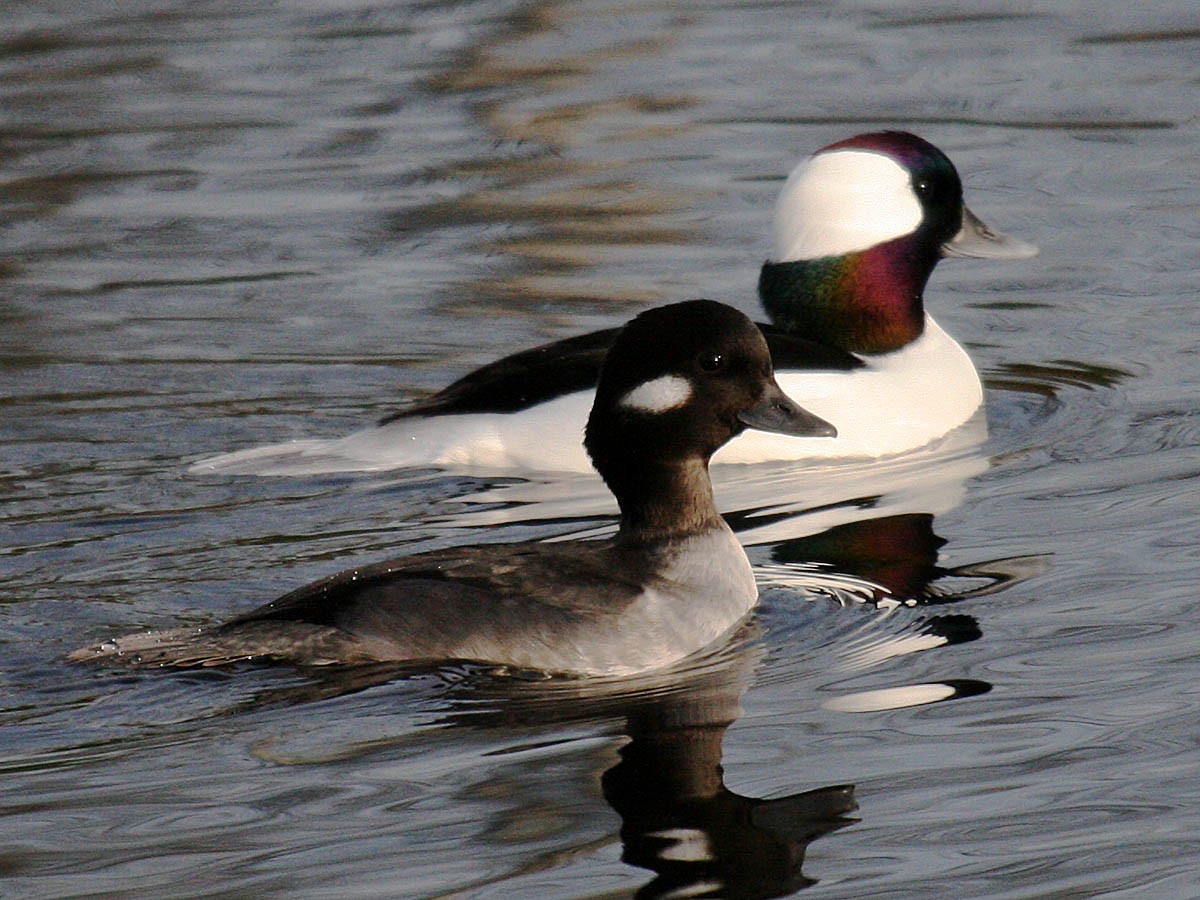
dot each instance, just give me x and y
(712, 362)
(923, 186)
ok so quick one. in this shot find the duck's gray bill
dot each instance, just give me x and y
(976, 241)
(779, 413)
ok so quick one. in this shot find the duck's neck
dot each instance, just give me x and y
(868, 301)
(663, 502)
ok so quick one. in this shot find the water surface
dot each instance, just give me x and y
(226, 225)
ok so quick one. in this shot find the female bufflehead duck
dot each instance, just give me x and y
(678, 383)
(858, 229)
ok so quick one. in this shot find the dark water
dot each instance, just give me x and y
(227, 224)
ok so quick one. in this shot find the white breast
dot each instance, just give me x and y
(899, 402)
(705, 590)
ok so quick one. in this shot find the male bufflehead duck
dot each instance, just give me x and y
(679, 382)
(858, 229)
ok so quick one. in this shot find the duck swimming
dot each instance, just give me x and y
(679, 382)
(858, 229)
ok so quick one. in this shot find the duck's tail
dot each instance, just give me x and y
(267, 641)
(310, 457)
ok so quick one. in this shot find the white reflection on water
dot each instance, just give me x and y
(772, 502)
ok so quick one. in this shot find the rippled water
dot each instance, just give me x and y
(230, 224)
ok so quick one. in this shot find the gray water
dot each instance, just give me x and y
(227, 224)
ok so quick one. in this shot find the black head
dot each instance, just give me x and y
(947, 225)
(680, 381)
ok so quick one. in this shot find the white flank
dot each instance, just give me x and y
(900, 401)
(843, 201)
(658, 396)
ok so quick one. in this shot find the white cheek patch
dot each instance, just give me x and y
(657, 396)
(843, 201)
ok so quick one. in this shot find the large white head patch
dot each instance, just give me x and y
(658, 395)
(842, 201)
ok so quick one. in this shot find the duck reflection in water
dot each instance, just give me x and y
(898, 554)
(702, 839)
(678, 819)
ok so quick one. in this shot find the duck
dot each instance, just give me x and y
(678, 383)
(858, 229)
